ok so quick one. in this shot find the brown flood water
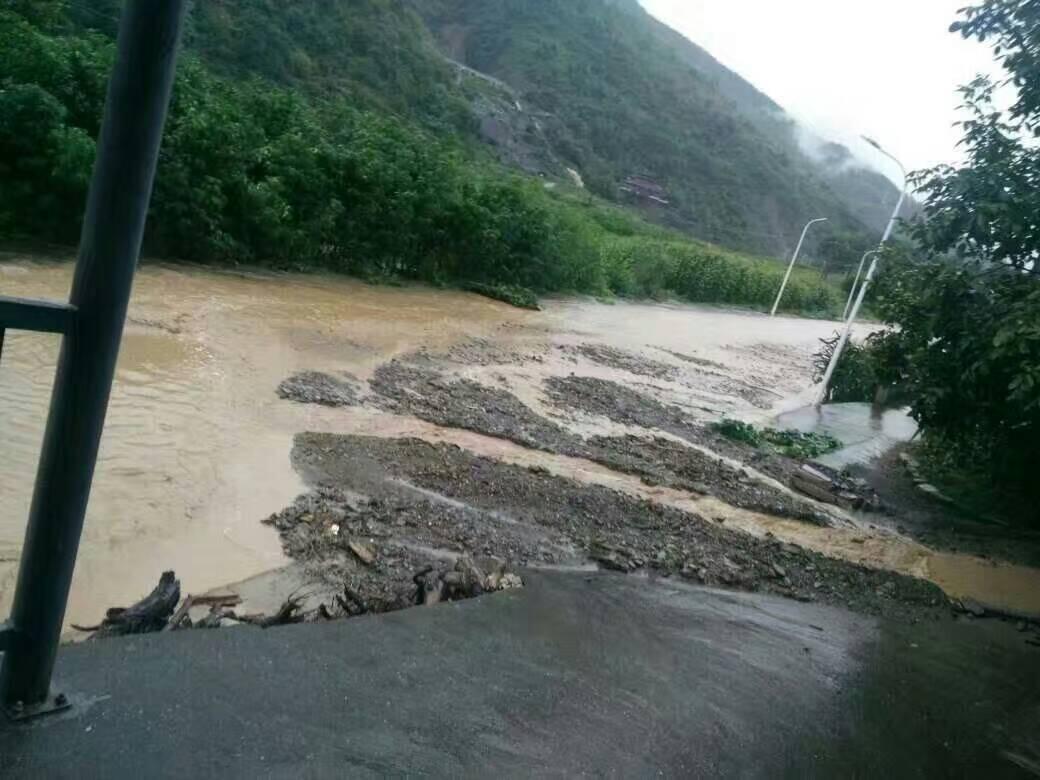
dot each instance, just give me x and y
(197, 444)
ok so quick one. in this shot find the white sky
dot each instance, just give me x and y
(885, 68)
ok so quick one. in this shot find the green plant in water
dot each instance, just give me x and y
(794, 444)
(800, 445)
(739, 431)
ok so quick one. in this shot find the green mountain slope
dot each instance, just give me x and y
(315, 157)
(376, 52)
(598, 86)
(622, 94)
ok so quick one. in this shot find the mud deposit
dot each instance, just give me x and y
(613, 357)
(418, 505)
(423, 392)
(220, 371)
(313, 387)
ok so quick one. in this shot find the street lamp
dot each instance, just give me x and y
(847, 333)
(794, 259)
(855, 284)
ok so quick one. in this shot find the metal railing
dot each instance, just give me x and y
(91, 329)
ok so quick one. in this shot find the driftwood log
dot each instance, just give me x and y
(146, 616)
(180, 618)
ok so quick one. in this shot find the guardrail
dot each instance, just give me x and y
(91, 328)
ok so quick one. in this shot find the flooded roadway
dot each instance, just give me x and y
(197, 444)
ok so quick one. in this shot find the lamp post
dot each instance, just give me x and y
(855, 284)
(794, 259)
(847, 333)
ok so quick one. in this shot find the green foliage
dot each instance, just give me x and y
(620, 94)
(653, 266)
(966, 309)
(1012, 26)
(971, 341)
(48, 14)
(376, 53)
(800, 445)
(984, 209)
(520, 297)
(738, 430)
(252, 172)
(654, 102)
(843, 251)
(879, 362)
(794, 444)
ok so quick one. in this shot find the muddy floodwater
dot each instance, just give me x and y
(197, 446)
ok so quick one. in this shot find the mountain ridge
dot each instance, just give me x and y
(776, 191)
(593, 91)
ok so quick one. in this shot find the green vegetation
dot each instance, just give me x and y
(620, 94)
(605, 89)
(794, 444)
(966, 305)
(520, 297)
(877, 364)
(252, 172)
(375, 53)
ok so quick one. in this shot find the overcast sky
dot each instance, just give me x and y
(886, 68)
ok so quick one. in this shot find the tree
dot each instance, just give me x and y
(48, 14)
(842, 251)
(967, 307)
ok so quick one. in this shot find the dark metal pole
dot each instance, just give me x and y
(128, 150)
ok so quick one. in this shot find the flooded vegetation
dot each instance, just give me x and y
(220, 373)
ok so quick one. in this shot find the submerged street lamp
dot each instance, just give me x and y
(794, 259)
(847, 333)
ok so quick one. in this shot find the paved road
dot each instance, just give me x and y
(601, 675)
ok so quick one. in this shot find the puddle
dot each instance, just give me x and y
(866, 432)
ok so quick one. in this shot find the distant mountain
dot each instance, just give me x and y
(598, 87)
(622, 94)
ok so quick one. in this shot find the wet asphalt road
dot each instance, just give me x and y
(576, 674)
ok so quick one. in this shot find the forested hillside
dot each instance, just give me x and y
(367, 137)
(623, 94)
(595, 85)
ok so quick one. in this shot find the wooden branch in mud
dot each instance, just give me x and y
(287, 614)
(215, 603)
(814, 482)
(179, 616)
(150, 614)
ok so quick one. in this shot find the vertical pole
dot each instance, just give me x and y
(846, 334)
(855, 284)
(790, 268)
(128, 149)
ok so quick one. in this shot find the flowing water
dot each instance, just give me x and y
(197, 444)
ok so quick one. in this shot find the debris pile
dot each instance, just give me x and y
(835, 487)
(414, 389)
(430, 586)
(468, 505)
(313, 387)
(146, 616)
(633, 363)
